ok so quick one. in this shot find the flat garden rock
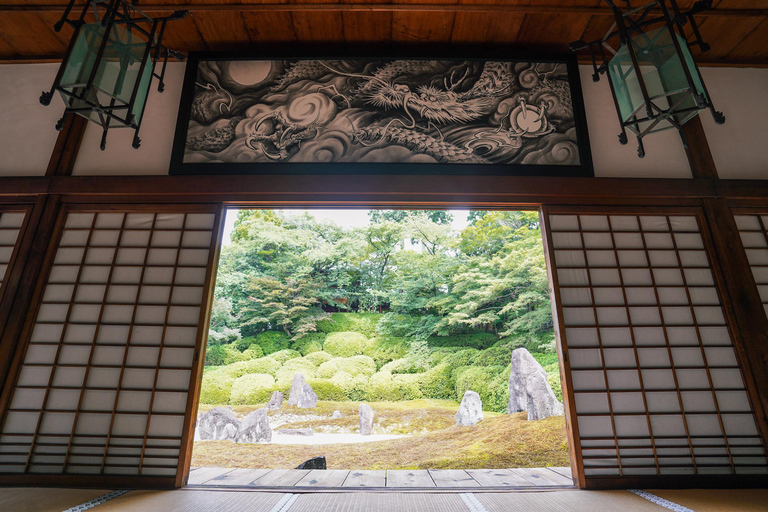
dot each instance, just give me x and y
(529, 389)
(275, 401)
(336, 415)
(254, 428)
(296, 431)
(218, 424)
(302, 395)
(471, 410)
(366, 419)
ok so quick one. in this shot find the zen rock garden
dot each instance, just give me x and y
(529, 391)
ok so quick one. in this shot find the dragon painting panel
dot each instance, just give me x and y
(355, 111)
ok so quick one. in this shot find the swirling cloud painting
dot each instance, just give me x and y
(381, 111)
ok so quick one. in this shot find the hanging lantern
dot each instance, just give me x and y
(646, 56)
(109, 65)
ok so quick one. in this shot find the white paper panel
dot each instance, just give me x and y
(112, 347)
(647, 341)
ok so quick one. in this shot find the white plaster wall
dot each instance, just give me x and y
(740, 146)
(156, 134)
(27, 133)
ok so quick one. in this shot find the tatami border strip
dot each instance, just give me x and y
(96, 501)
(658, 500)
(472, 503)
(285, 503)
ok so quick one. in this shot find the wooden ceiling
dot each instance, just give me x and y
(737, 30)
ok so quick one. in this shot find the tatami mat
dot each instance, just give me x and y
(192, 501)
(379, 502)
(567, 501)
(718, 500)
(27, 499)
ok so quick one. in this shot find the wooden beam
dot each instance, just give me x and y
(745, 306)
(383, 7)
(67, 146)
(697, 150)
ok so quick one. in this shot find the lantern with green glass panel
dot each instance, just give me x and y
(107, 71)
(654, 80)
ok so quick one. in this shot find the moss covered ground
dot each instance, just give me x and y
(434, 442)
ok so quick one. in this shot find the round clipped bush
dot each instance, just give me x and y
(479, 340)
(483, 381)
(254, 352)
(284, 355)
(437, 355)
(328, 390)
(252, 389)
(318, 358)
(389, 349)
(345, 344)
(215, 388)
(436, 382)
(381, 388)
(309, 343)
(462, 357)
(405, 365)
(357, 365)
(244, 344)
(364, 323)
(353, 385)
(409, 386)
(220, 355)
(494, 356)
(265, 365)
(300, 365)
(273, 341)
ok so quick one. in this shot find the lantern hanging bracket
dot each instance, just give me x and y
(110, 63)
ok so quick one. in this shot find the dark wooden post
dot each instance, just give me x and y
(67, 145)
(697, 150)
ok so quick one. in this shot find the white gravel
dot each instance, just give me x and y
(332, 438)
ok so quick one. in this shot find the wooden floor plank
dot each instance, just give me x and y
(281, 478)
(409, 478)
(239, 477)
(452, 478)
(542, 476)
(366, 478)
(323, 478)
(499, 478)
(566, 472)
(203, 475)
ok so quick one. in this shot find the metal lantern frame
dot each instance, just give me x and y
(116, 17)
(662, 111)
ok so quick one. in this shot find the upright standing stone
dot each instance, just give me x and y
(302, 395)
(217, 424)
(275, 401)
(366, 419)
(529, 389)
(254, 428)
(471, 410)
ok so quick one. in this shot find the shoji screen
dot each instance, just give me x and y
(754, 235)
(11, 221)
(654, 383)
(104, 382)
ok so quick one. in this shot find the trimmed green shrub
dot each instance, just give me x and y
(499, 399)
(364, 323)
(436, 382)
(284, 355)
(318, 358)
(481, 380)
(265, 365)
(328, 390)
(312, 342)
(220, 355)
(215, 388)
(479, 340)
(388, 349)
(273, 341)
(553, 377)
(252, 389)
(437, 355)
(284, 376)
(494, 356)
(244, 344)
(345, 344)
(404, 365)
(357, 365)
(300, 365)
(254, 352)
(381, 388)
(460, 358)
(409, 386)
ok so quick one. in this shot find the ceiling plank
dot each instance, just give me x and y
(422, 26)
(222, 30)
(723, 35)
(752, 48)
(269, 27)
(367, 27)
(27, 34)
(318, 27)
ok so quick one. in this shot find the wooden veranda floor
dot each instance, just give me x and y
(377, 479)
